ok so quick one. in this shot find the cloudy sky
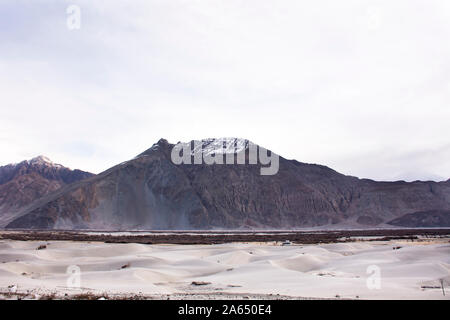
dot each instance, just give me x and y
(360, 86)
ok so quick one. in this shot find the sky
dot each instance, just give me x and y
(360, 86)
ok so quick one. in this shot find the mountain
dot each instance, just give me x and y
(152, 192)
(431, 218)
(24, 182)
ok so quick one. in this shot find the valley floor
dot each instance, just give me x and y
(395, 269)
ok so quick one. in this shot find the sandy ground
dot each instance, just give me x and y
(407, 270)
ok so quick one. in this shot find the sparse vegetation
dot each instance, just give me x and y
(89, 296)
(296, 237)
(200, 283)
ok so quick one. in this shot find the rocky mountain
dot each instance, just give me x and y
(24, 182)
(431, 218)
(152, 192)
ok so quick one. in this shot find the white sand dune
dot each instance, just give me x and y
(319, 271)
(302, 262)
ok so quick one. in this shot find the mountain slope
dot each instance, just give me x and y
(429, 218)
(27, 181)
(151, 192)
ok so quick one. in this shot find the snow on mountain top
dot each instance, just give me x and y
(43, 160)
(220, 145)
(207, 146)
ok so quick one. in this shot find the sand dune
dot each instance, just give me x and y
(408, 270)
(302, 263)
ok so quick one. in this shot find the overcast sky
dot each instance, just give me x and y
(360, 86)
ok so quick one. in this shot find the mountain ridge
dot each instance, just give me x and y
(23, 183)
(151, 192)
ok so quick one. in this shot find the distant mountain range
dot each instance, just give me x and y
(151, 192)
(27, 181)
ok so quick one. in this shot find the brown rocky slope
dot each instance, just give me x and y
(27, 181)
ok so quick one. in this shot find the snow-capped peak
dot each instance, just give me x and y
(43, 160)
(220, 145)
